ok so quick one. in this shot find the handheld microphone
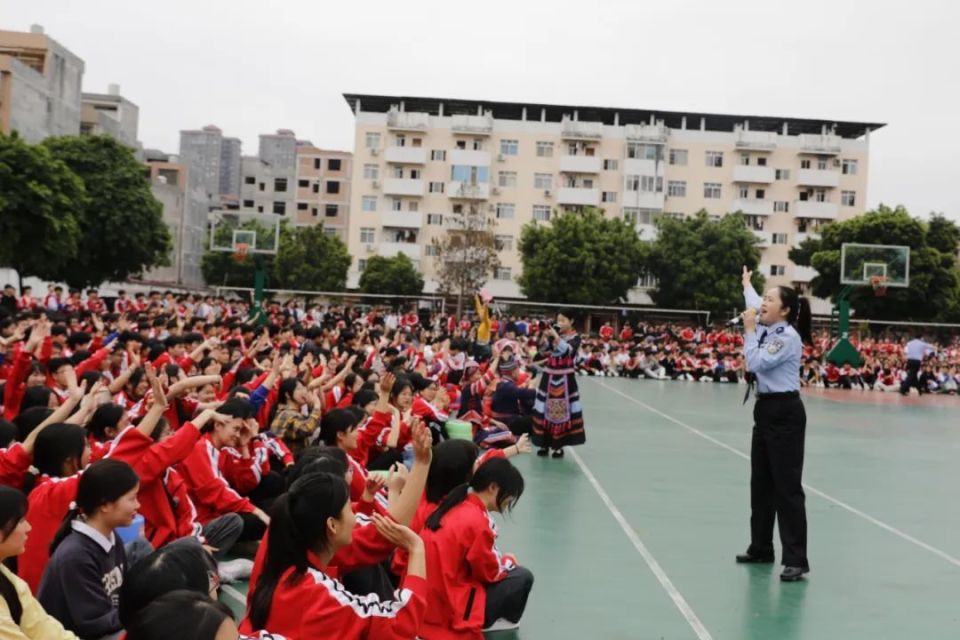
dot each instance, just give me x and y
(732, 322)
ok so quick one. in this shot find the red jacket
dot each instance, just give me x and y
(462, 558)
(208, 489)
(47, 506)
(14, 463)
(16, 384)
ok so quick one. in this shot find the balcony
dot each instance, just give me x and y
(405, 155)
(753, 207)
(403, 187)
(756, 140)
(642, 167)
(813, 209)
(828, 144)
(650, 133)
(468, 191)
(579, 164)
(818, 178)
(469, 157)
(752, 173)
(476, 125)
(799, 238)
(647, 232)
(643, 199)
(578, 196)
(407, 120)
(803, 274)
(391, 249)
(576, 130)
(401, 219)
(765, 238)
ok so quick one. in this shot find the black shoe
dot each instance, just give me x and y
(558, 453)
(543, 453)
(746, 558)
(793, 574)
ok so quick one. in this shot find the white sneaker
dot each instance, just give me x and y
(235, 570)
(503, 625)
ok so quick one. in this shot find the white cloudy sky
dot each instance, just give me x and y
(252, 66)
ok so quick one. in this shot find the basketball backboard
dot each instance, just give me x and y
(866, 264)
(233, 231)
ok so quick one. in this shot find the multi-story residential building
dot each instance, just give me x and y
(231, 155)
(40, 82)
(416, 160)
(323, 189)
(202, 153)
(110, 114)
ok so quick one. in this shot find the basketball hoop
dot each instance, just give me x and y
(879, 286)
(241, 251)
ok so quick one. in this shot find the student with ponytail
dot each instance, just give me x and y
(474, 587)
(21, 616)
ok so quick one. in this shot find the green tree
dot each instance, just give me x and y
(394, 276)
(698, 261)
(466, 255)
(40, 202)
(934, 288)
(310, 260)
(122, 232)
(580, 259)
(222, 269)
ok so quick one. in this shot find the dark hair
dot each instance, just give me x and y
(336, 462)
(56, 444)
(78, 338)
(336, 422)
(171, 568)
(238, 408)
(399, 386)
(799, 316)
(36, 396)
(495, 470)
(103, 482)
(452, 466)
(179, 614)
(287, 387)
(364, 397)
(8, 433)
(298, 526)
(13, 509)
(29, 419)
(106, 415)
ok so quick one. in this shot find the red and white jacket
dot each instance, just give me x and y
(208, 489)
(14, 463)
(47, 506)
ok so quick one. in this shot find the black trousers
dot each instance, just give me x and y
(507, 598)
(913, 369)
(776, 491)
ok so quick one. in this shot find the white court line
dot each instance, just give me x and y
(655, 567)
(233, 593)
(857, 512)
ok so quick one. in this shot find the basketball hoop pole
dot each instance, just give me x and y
(843, 351)
(259, 283)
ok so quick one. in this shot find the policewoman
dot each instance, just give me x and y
(775, 329)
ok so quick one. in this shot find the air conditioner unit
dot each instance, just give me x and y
(376, 184)
(547, 193)
(374, 152)
(501, 158)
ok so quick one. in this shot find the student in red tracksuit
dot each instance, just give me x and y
(472, 585)
(339, 429)
(301, 599)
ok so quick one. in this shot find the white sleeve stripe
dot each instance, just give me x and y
(213, 455)
(368, 606)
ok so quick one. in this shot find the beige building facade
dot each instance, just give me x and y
(417, 160)
(323, 189)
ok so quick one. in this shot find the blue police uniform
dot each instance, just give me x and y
(773, 354)
(916, 350)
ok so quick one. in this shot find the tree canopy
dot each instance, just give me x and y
(394, 276)
(466, 256)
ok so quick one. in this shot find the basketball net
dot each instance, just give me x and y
(879, 286)
(241, 251)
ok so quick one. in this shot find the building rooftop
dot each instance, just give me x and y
(555, 113)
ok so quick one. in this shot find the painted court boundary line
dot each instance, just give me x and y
(840, 503)
(233, 593)
(641, 548)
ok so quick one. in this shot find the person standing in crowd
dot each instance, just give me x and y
(917, 349)
(773, 352)
(558, 416)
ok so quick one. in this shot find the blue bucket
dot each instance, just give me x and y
(131, 533)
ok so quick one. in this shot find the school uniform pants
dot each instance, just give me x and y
(913, 380)
(507, 598)
(776, 491)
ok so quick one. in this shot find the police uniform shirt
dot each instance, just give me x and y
(917, 349)
(772, 353)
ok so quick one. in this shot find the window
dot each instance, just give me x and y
(761, 194)
(438, 155)
(631, 183)
(544, 149)
(369, 203)
(436, 187)
(777, 269)
(367, 235)
(745, 159)
(509, 147)
(461, 144)
(457, 208)
(849, 167)
(782, 174)
(373, 141)
(431, 250)
(331, 210)
(608, 196)
(260, 209)
(263, 186)
(503, 273)
(822, 164)
(279, 184)
(313, 211)
(333, 186)
(711, 189)
(333, 164)
(714, 158)
(643, 151)
(416, 142)
(435, 219)
(848, 198)
(651, 184)
(303, 183)
(302, 206)
(249, 180)
(469, 174)
(280, 208)
(781, 206)
(415, 174)
(413, 205)
(542, 181)
(316, 163)
(804, 164)
(778, 238)
(396, 204)
(678, 157)
(316, 187)
(248, 204)
(505, 243)
(610, 165)
(507, 179)
(400, 140)
(398, 172)
(541, 212)
(630, 214)
(761, 161)
(743, 193)
(677, 188)
(330, 232)
(371, 171)
(504, 211)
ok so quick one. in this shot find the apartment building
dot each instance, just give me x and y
(110, 114)
(323, 189)
(417, 160)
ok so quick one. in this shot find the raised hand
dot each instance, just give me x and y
(397, 534)
(373, 486)
(422, 441)
(746, 276)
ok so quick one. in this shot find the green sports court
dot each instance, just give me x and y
(633, 536)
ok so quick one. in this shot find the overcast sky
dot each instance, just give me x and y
(253, 66)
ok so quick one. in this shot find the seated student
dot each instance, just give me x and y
(289, 423)
(81, 584)
(472, 585)
(339, 429)
(186, 614)
(21, 616)
(311, 522)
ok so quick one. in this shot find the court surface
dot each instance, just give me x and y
(633, 535)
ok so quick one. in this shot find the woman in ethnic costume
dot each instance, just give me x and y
(558, 416)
